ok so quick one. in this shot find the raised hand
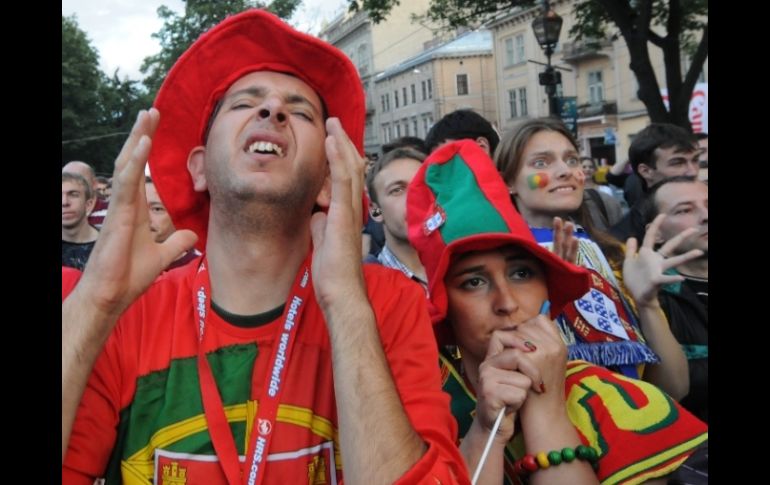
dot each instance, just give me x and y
(565, 244)
(643, 270)
(126, 259)
(337, 234)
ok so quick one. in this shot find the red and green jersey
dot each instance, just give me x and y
(638, 432)
(141, 419)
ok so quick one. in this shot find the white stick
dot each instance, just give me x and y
(488, 446)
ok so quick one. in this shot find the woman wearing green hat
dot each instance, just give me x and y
(490, 285)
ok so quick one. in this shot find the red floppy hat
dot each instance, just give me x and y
(458, 202)
(251, 41)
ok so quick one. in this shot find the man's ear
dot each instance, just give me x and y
(375, 212)
(484, 143)
(90, 204)
(645, 171)
(195, 161)
(324, 198)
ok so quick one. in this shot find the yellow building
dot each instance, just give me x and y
(595, 71)
(415, 93)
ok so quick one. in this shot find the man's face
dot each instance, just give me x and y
(101, 189)
(74, 205)
(390, 185)
(703, 173)
(686, 205)
(670, 162)
(267, 143)
(160, 222)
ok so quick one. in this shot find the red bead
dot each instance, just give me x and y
(529, 463)
(518, 468)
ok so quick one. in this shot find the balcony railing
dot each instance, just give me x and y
(585, 49)
(596, 109)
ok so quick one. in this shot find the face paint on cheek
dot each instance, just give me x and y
(537, 181)
(581, 177)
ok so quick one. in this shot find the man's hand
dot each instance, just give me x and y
(643, 271)
(126, 259)
(337, 235)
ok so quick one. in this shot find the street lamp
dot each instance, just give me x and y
(547, 28)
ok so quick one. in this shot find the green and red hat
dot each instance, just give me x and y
(458, 202)
(251, 41)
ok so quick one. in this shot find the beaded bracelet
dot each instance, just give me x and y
(531, 463)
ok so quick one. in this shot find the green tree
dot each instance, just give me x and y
(97, 111)
(80, 81)
(180, 31)
(685, 23)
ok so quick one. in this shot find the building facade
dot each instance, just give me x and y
(374, 47)
(594, 71)
(415, 93)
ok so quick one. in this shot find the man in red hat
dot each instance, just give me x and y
(277, 356)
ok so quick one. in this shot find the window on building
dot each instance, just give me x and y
(398, 130)
(414, 94)
(509, 58)
(385, 133)
(363, 60)
(424, 92)
(462, 84)
(406, 128)
(382, 99)
(519, 42)
(395, 99)
(425, 125)
(595, 87)
(523, 102)
(414, 126)
(430, 89)
(405, 97)
(514, 110)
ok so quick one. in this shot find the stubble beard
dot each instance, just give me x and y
(249, 209)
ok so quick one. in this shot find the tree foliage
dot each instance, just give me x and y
(80, 81)
(97, 111)
(685, 23)
(180, 31)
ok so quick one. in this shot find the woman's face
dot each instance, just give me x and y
(550, 181)
(492, 290)
(588, 169)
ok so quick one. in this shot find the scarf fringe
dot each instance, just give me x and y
(609, 354)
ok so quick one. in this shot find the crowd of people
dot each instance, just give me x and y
(269, 307)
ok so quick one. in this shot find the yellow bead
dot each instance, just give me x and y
(542, 460)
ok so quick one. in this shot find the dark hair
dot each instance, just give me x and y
(78, 179)
(701, 136)
(508, 159)
(384, 161)
(649, 208)
(405, 142)
(461, 124)
(654, 136)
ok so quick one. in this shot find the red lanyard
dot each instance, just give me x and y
(219, 429)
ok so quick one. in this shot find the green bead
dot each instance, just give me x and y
(583, 452)
(554, 457)
(593, 455)
(568, 454)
